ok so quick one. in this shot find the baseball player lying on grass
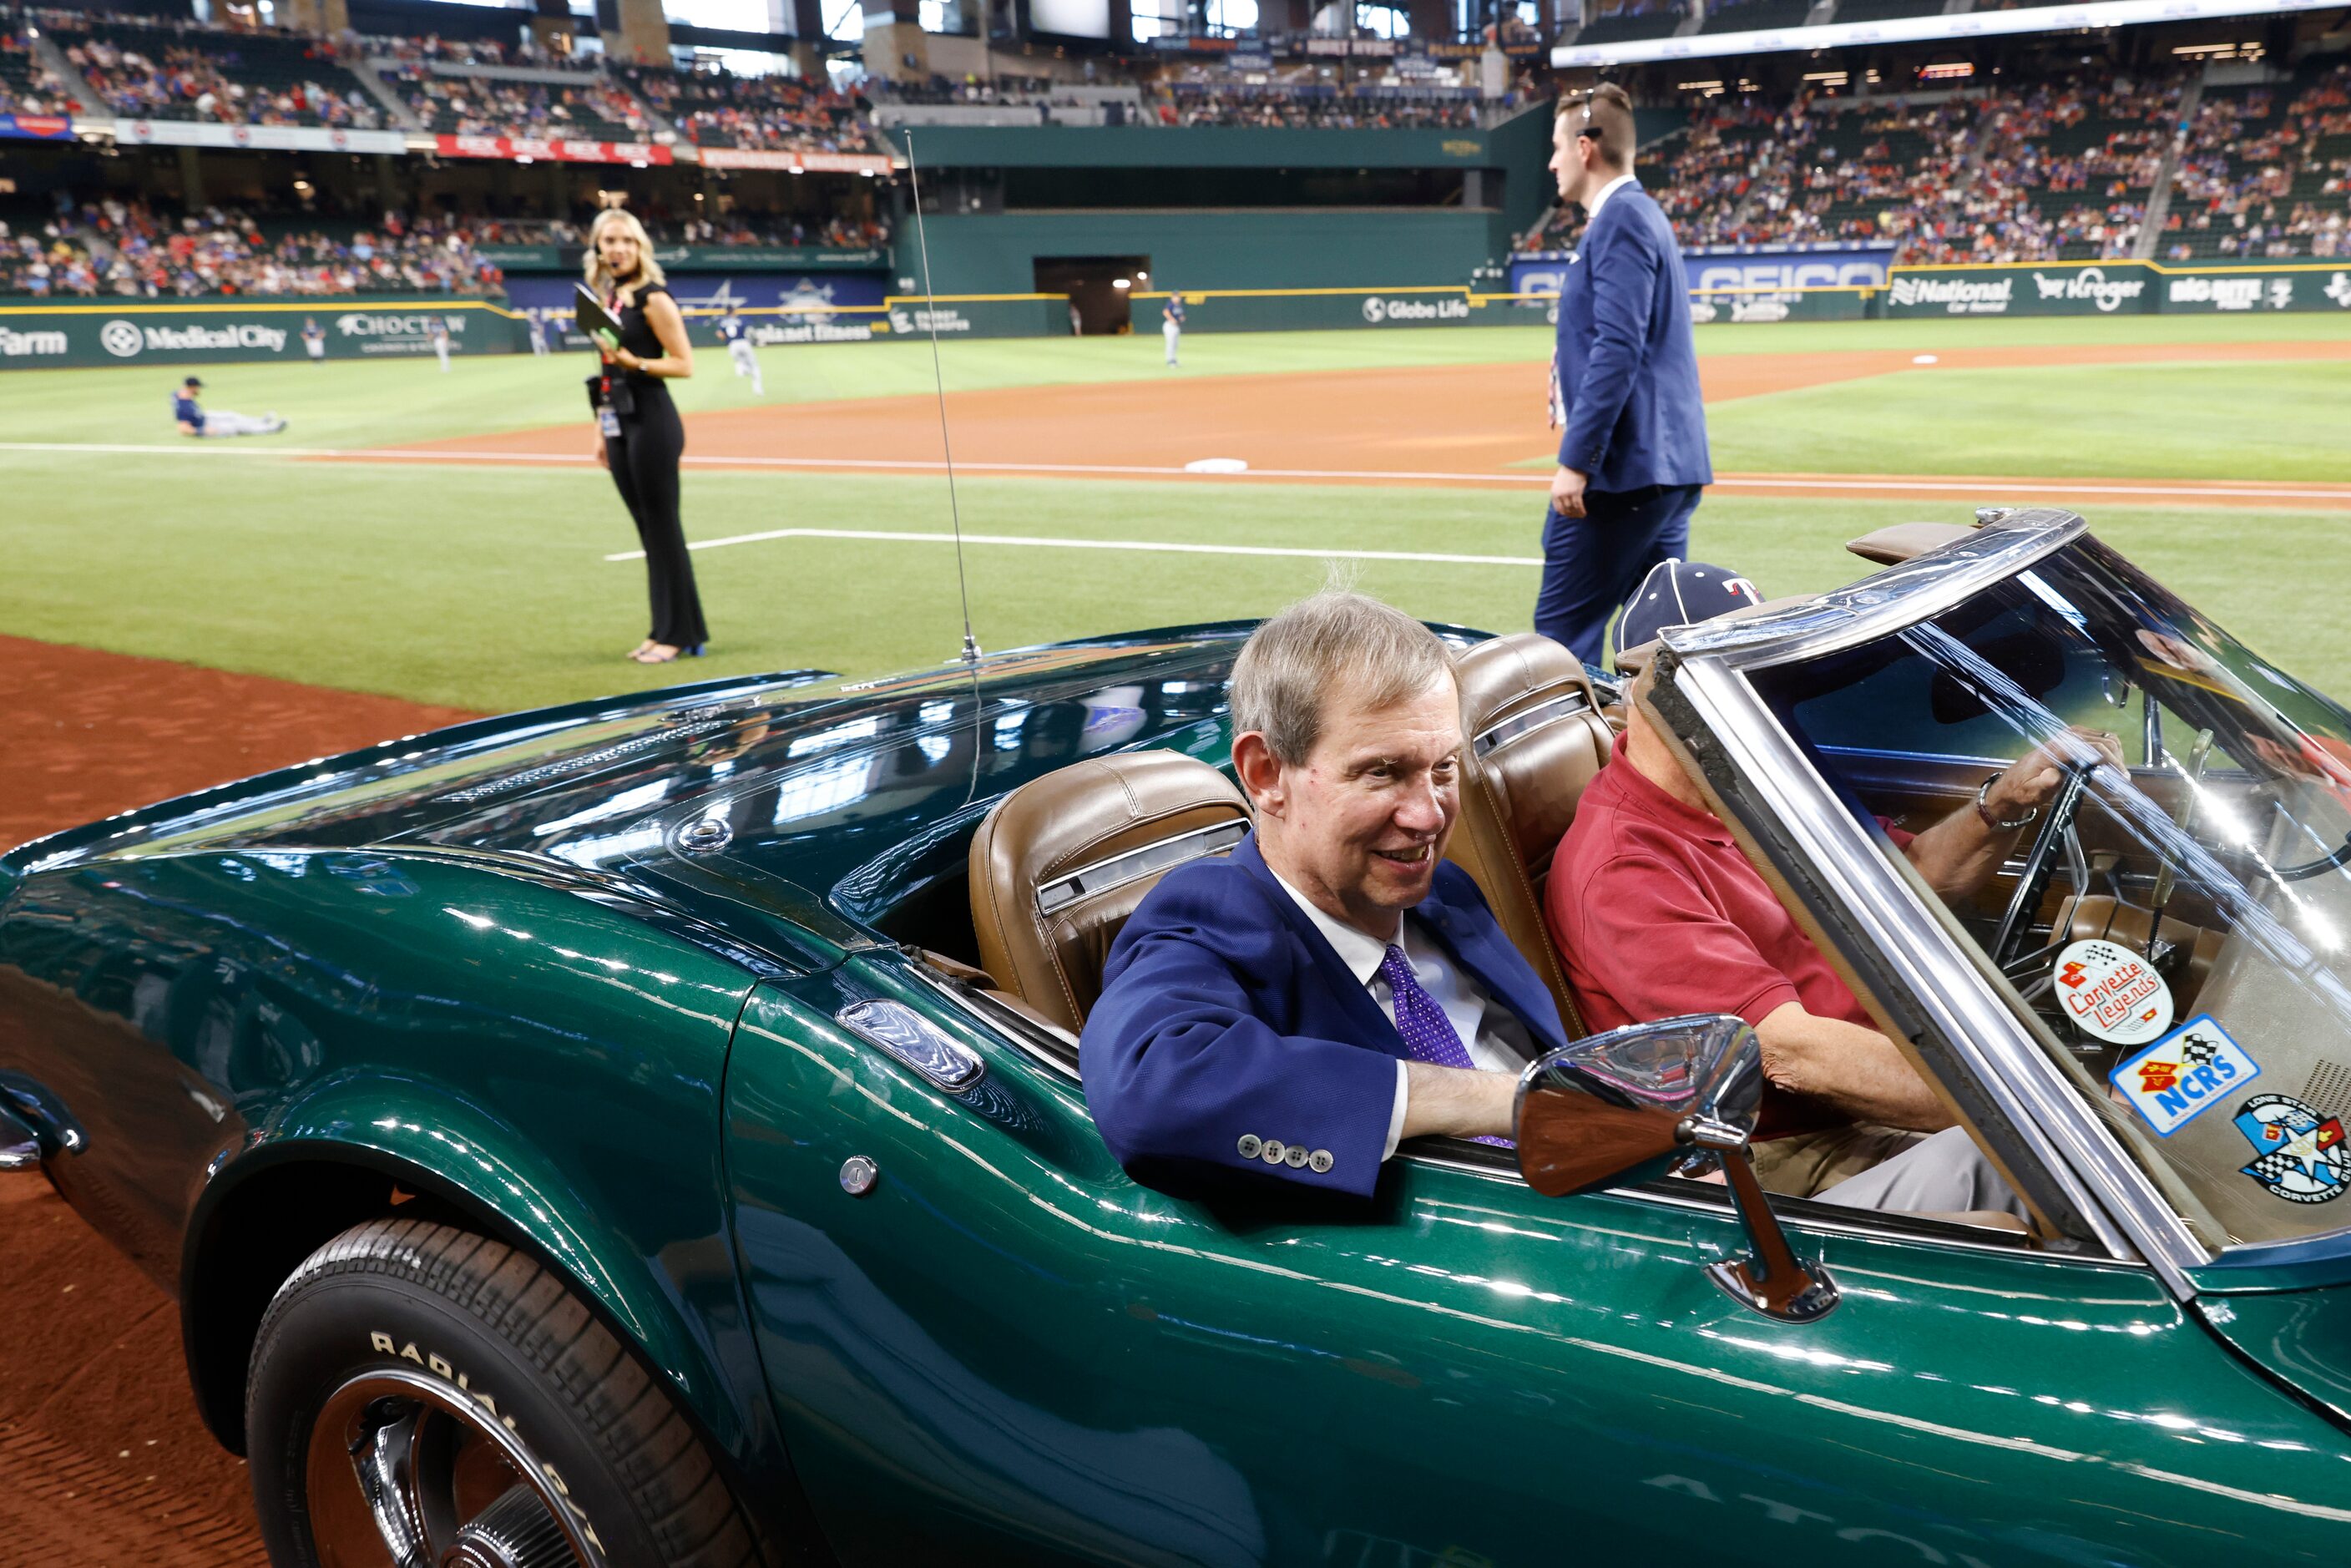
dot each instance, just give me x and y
(194, 420)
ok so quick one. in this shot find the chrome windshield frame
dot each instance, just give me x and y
(1708, 669)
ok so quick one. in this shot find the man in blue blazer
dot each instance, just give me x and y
(1334, 986)
(1632, 456)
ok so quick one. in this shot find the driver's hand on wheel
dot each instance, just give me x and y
(2033, 778)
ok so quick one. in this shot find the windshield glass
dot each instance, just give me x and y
(2175, 926)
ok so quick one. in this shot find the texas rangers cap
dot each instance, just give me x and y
(192, 382)
(1681, 594)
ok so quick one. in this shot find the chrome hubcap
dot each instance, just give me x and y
(404, 1472)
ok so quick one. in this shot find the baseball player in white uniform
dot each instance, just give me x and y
(1171, 323)
(441, 341)
(738, 349)
(314, 340)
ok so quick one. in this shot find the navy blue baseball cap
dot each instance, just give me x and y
(1681, 594)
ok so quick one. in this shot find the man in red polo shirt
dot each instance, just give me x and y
(1657, 912)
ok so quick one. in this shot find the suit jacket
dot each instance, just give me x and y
(1225, 1016)
(1627, 364)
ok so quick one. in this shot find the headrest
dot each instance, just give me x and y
(1061, 861)
(1535, 737)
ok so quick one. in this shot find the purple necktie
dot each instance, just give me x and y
(1427, 1033)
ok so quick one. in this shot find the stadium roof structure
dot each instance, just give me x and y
(1923, 29)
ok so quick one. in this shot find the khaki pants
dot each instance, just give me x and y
(1804, 1163)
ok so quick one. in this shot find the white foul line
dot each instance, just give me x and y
(1991, 489)
(1025, 542)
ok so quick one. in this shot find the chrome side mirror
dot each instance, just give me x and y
(1594, 1109)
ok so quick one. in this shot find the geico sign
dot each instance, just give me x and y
(1782, 275)
(356, 325)
(124, 339)
(1957, 294)
(13, 344)
(1376, 310)
(2092, 284)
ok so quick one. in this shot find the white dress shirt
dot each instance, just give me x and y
(1493, 1035)
(1600, 198)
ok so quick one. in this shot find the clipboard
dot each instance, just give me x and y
(590, 314)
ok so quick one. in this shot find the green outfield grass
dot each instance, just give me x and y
(489, 588)
(486, 586)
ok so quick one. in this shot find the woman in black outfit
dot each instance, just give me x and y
(642, 436)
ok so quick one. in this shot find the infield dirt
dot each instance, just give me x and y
(1434, 424)
(103, 1459)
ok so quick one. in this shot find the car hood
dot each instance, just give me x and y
(815, 775)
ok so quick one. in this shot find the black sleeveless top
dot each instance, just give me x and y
(637, 336)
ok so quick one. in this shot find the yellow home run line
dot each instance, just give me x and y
(1028, 542)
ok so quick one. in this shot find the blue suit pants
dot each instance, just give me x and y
(1592, 563)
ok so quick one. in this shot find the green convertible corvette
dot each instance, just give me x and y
(649, 1132)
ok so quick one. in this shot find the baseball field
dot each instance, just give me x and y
(448, 538)
(415, 545)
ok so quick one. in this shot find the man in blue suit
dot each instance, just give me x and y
(1334, 986)
(1632, 457)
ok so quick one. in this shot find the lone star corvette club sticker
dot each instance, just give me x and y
(2112, 993)
(2298, 1153)
(2184, 1074)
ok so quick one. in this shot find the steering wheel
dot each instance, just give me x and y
(2016, 924)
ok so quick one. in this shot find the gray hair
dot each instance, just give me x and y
(1335, 640)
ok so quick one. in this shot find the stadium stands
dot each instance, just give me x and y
(1634, 21)
(26, 87)
(156, 70)
(2062, 169)
(1885, 10)
(1745, 16)
(117, 248)
(775, 114)
(2266, 173)
(595, 110)
(475, 52)
(1310, 105)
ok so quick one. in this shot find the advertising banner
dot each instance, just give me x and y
(1803, 267)
(2313, 288)
(2094, 288)
(37, 127)
(271, 138)
(1816, 303)
(836, 307)
(38, 333)
(532, 151)
(1374, 310)
(796, 162)
(566, 258)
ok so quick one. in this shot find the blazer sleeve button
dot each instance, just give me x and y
(1249, 1145)
(1273, 1153)
(1320, 1161)
(1295, 1157)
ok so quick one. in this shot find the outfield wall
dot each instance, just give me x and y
(38, 333)
(853, 307)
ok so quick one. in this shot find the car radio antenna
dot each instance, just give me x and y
(970, 654)
(939, 381)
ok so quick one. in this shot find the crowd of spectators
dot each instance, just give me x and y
(26, 86)
(2060, 169)
(202, 74)
(114, 248)
(773, 113)
(1283, 106)
(432, 48)
(2261, 179)
(596, 109)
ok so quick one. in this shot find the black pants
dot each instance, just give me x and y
(644, 459)
(1592, 563)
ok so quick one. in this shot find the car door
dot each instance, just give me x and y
(1000, 1349)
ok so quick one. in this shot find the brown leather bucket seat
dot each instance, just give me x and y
(1535, 737)
(1061, 861)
